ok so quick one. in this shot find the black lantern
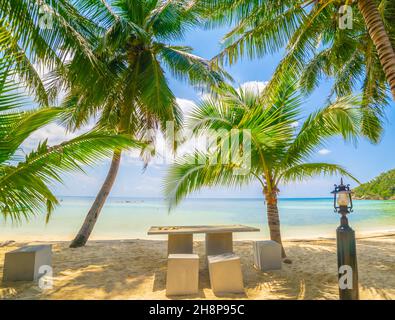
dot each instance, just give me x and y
(346, 245)
(342, 200)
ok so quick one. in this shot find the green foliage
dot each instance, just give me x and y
(381, 187)
(41, 35)
(132, 49)
(279, 151)
(316, 47)
(25, 179)
(110, 58)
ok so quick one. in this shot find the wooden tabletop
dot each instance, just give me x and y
(200, 229)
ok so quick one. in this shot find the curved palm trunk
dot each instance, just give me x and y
(91, 218)
(380, 39)
(274, 219)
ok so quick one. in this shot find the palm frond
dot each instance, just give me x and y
(261, 33)
(25, 183)
(277, 150)
(342, 117)
(24, 186)
(186, 66)
(304, 171)
(170, 19)
(155, 94)
(199, 169)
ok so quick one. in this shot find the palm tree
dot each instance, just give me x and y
(279, 152)
(315, 43)
(126, 85)
(41, 35)
(25, 180)
(380, 37)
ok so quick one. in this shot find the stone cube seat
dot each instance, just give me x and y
(182, 274)
(225, 273)
(24, 264)
(267, 255)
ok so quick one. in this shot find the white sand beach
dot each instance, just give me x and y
(136, 269)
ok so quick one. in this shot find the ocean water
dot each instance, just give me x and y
(127, 218)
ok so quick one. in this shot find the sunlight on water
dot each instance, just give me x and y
(130, 218)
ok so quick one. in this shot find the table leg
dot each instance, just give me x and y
(180, 243)
(218, 243)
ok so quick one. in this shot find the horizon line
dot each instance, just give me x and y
(190, 198)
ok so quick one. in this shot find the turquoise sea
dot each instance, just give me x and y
(126, 218)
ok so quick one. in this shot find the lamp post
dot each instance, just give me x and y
(346, 246)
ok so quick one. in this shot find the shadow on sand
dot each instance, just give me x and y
(136, 269)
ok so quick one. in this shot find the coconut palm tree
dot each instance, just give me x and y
(279, 151)
(41, 35)
(127, 85)
(25, 179)
(316, 43)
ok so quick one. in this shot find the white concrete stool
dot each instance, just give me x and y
(267, 255)
(25, 264)
(182, 274)
(225, 273)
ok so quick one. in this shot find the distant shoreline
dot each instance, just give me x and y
(203, 198)
(372, 198)
(222, 198)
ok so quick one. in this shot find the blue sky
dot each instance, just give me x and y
(365, 160)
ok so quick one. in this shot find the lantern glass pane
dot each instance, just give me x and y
(343, 199)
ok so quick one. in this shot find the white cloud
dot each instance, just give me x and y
(163, 153)
(255, 86)
(185, 105)
(324, 151)
(55, 134)
(295, 124)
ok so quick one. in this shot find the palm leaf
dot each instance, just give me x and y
(24, 186)
(189, 174)
(304, 171)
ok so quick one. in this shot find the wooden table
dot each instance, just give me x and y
(219, 238)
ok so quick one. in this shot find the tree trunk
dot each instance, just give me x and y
(380, 39)
(273, 219)
(91, 218)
